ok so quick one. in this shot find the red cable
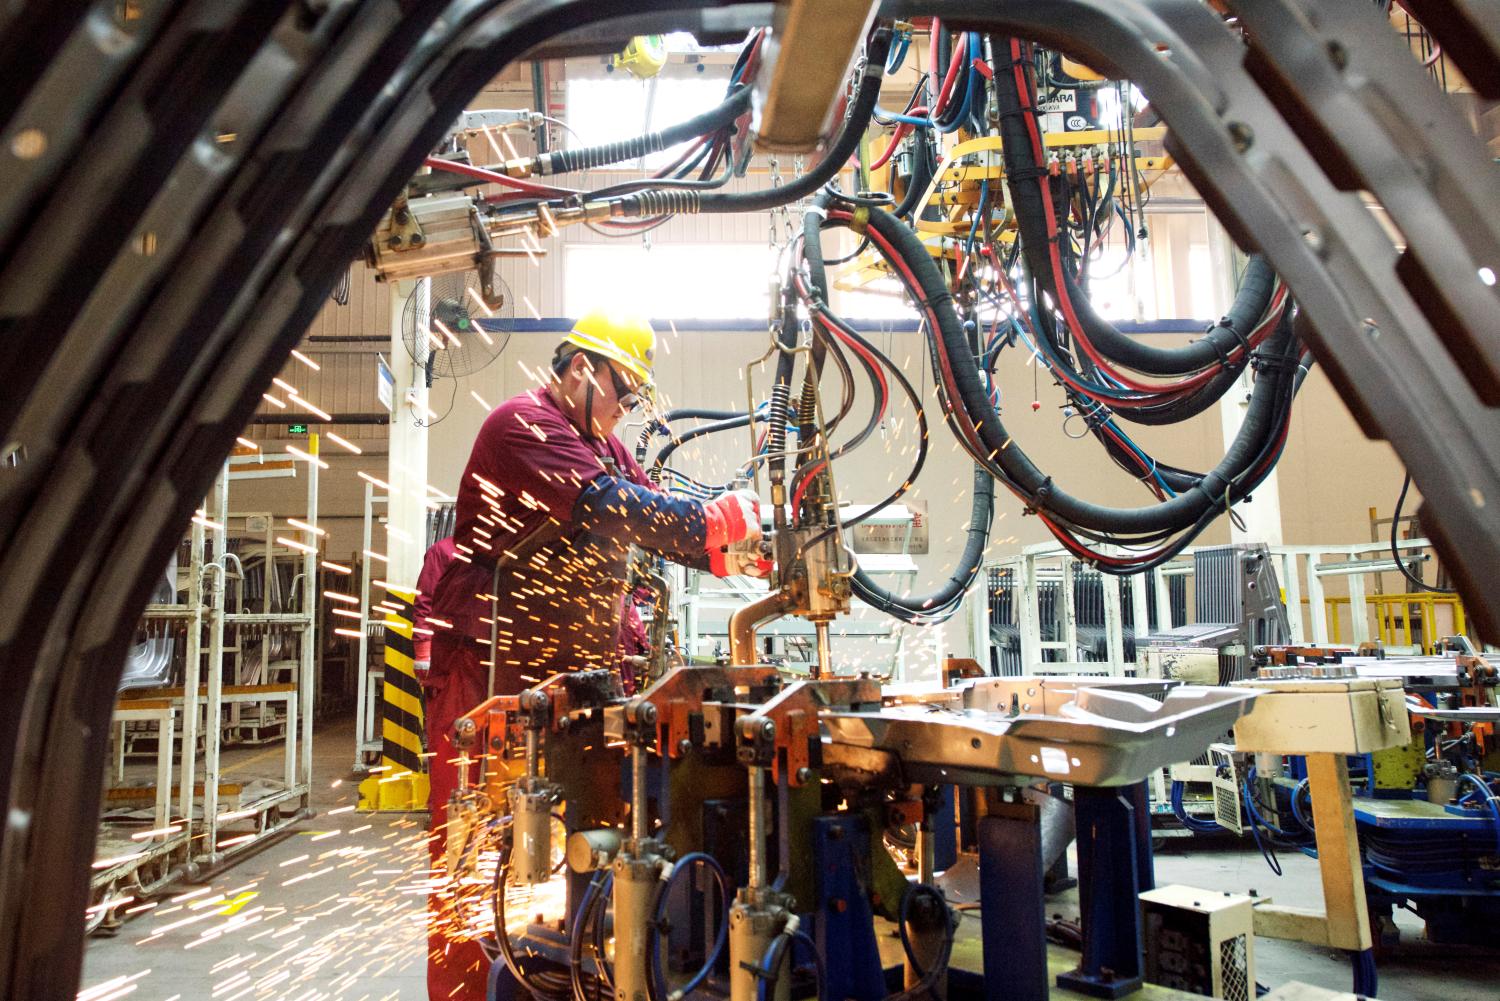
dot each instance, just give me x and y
(1064, 300)
(802, 487)
(950, 78)
(969, 433)
(902, 130)
(491, 177)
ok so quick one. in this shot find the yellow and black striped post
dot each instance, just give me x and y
(400, 783)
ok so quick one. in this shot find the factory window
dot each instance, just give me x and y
(608, 109)
(710, 281)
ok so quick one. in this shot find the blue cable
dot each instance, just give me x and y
(1255, 814)
(1187, 820)
(897, 56)
(1491, 800)
(1129, 442)
(806, 939)
(1270, 856)
(1145, 459)
(896, 116)
(683, 864)
(971, 52)
(1297, 810)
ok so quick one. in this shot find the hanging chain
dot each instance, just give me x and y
(775, 166)
(786, 215)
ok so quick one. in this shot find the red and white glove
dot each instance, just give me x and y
(733, 563)
(732, 517)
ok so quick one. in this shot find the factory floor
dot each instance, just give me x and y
(334, 912)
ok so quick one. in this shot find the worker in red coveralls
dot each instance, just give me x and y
(635, 641)
(548, 508)
(439, 555)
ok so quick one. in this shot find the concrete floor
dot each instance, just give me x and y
(334, 912)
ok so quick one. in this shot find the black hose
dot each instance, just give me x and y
(700, 414)
(1024, 182)
(942, 603)
(923, 165)
(950, 346)
(826, 169)
(781, 393)
(566, 161)
(1421, 585)
(813, 219)
(728, 424)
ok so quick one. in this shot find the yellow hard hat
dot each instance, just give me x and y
(627, 340)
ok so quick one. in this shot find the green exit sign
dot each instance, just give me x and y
(296, 429)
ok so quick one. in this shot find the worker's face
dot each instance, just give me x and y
(615, 394)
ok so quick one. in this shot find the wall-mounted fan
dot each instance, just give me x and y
(461, 331)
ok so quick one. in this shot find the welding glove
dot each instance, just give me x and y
(732, 517)
(732, 529)
(735, 562)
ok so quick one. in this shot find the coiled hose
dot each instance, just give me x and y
(951, 351)
(655, 945)
(826, 169)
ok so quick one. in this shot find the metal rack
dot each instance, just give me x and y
(188, 836)
(367, 740)
(1040, 593)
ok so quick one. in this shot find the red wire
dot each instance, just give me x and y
(969, 433)
(1064, 300)
(902, 130)
(802, 487)
(951, 77)
(490, 176)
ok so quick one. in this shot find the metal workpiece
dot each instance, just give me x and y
(1045, 695)
(752, 926)
(638, 879)
(1102, 738)
(780, 734)
(531, 834)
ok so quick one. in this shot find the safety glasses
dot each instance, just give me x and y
(630, 398)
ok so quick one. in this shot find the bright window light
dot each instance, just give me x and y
(608, 109)
(712, 281)
(882, 299)
(1114, 287)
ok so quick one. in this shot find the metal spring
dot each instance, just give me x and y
(665, 201)
(781, 412)
(566, 161)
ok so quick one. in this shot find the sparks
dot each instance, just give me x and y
(306, 360)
